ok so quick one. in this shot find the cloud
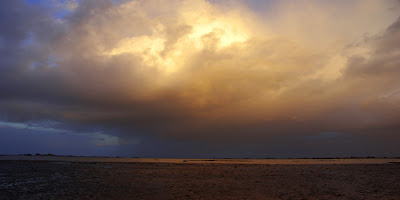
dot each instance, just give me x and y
(197, 70)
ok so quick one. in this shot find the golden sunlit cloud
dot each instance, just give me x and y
(206, 29)
(197, 69)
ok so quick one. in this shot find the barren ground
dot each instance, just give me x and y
(171, 180)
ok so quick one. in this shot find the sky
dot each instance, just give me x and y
(200, 78)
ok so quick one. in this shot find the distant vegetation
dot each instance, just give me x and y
(38, 154)
(49, 154)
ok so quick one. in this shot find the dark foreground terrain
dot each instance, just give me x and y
(85, 180)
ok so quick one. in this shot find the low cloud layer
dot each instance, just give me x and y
(206, 71)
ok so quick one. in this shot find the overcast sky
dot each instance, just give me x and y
(198, 78)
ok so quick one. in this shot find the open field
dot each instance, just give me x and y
(121, 178)
(220, 161)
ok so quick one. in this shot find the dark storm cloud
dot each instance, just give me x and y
(377, 78)
(142, 69)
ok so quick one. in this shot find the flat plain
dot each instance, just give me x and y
(42, 177)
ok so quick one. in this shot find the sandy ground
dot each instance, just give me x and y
(185, 180)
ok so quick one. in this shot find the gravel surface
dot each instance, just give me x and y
(93, 180)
